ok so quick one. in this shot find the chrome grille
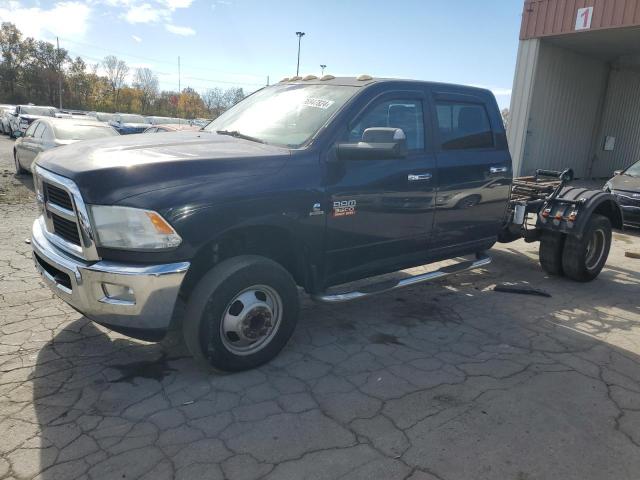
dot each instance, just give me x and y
(66, 229)
(58, 196)
(64, 215)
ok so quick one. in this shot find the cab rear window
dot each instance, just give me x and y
(463, 126)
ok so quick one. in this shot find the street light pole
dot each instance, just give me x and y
(323, 67)
(300, 35)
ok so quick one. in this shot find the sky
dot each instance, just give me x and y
(229, 43)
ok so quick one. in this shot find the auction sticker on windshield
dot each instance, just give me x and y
(318, 103)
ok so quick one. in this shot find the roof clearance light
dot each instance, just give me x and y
(364, 78)
(327, 77)
(285, 79)
(310, 77)
(293, 79)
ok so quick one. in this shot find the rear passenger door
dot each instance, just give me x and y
(474, 170)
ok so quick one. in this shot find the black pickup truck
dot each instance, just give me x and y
(311, 183)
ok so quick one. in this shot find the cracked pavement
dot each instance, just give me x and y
(448, 381)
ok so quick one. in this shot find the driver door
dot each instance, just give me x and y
(381, 211)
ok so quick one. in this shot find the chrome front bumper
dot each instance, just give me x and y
(144, 313)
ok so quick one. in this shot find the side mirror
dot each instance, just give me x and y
(617, 172)
(18, 133)
(377, 143)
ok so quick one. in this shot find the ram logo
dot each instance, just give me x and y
(344, 208)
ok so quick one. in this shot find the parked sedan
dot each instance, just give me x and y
(170, 128)
(25, 115)
(126, 123)
(625, 186)
(6, 111)
(47, 133)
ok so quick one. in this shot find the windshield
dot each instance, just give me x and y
(42, 111)
(287, 115)
(633, 170)
(126, 118)
(83, 132)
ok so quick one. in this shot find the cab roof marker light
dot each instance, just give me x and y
(285, 79)
(293, 79)
(327, 77)
(364, 78)
(309, 77)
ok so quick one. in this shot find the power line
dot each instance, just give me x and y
(157, 60)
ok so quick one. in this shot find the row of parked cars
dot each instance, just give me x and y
(39, 128)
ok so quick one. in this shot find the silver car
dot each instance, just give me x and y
(46, 133)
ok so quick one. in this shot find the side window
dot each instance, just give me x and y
(38, 131)
(31, 129)
(463, 126)
(404, 114)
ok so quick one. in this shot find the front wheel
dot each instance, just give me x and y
(584, 257)
(241, 313)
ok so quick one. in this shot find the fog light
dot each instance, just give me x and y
(121, 293)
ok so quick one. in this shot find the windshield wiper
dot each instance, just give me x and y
(237, 134)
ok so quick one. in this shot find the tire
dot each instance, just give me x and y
(584, 257)
(261, 329)
(550, 253)
(19, 169)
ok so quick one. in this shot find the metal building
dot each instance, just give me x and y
(576, 91)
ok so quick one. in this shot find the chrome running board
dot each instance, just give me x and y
(482, 259)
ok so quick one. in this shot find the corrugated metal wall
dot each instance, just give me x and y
(564, 111)
(542, 18)
(521, 99)
(620, 119)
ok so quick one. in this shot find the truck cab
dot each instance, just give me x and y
(309, 183)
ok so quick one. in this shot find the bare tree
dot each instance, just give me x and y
(214, 101)
(147, 83)
(116, 72)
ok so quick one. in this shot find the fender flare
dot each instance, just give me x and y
(591, 202)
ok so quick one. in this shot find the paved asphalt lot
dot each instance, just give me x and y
(446, 381)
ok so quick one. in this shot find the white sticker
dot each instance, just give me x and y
(318, 103)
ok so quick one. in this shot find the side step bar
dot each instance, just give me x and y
(482, 259)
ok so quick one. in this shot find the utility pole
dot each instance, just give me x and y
(179, 88)
(300, 35)
(59, 75)
(323, 67)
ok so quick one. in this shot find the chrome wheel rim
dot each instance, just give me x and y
(595, 249)
(251, 320)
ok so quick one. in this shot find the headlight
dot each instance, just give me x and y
(132, 228)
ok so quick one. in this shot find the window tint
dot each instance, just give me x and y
(39, 129)
(463, 126)
(404, 114)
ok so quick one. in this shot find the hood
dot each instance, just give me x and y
(626, 183)
(111, 169)
(31, 118)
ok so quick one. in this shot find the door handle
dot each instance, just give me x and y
(494, 170)
(419, 177)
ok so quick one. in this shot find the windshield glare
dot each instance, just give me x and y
(633, 170)
(83, 132)
(42, 111)
(287, 115)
